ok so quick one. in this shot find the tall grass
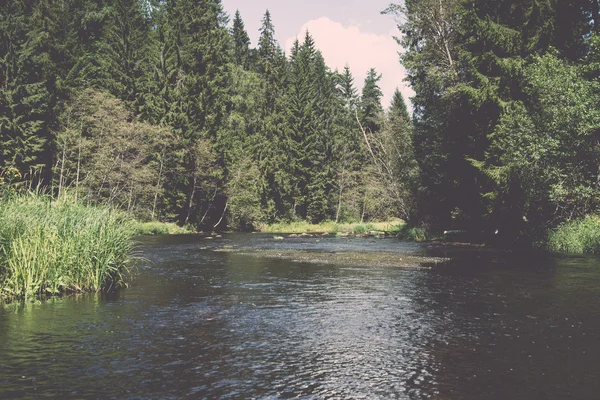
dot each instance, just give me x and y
(328, 226)
(160, 228)
(577, 237)
(406, 232)
(51, 247)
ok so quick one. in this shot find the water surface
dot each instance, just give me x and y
(212, 319)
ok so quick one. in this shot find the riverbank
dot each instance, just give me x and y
(50, 247)
(332, 227)
(160, 228)
(580, 236)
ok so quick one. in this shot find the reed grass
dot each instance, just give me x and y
(52, 247)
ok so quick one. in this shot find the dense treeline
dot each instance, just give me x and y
(160, 108)
(506, 116)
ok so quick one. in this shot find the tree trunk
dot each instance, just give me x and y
(62, 169)
(596, 15)
(157, 188)
(78, 169)
(189, 211)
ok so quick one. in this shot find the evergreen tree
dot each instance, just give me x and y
(347, 89)
(370, 102)
(473, 81)
(28, 94)
(125, 49)
(397, 146)
(348, 157)
(241, 42)
(202, 46)
(398, 109)
(272, 146)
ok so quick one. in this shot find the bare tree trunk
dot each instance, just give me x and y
(209, 206)
(157, 188)
(364, 208)
(130, 200)
(62, 169)
(339, 206)
(596, 15)
(222, 215)
(189, 211)
(78, 169)
(444, 38)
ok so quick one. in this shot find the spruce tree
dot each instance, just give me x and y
(271, 144)
(125, 50)
(201, 100)
(370, 102)
(241, 42)
(28, 75)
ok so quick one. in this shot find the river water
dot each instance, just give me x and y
(201, 323)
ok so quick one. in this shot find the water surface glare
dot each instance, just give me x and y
(199, 323)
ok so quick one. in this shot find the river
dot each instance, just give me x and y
(245, 316)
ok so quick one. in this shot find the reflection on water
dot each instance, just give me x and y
(204, 324)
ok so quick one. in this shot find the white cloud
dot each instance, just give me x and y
(349, 45)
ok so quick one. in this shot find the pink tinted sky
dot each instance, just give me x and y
(346, 31)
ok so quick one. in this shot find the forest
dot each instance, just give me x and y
(164, 110)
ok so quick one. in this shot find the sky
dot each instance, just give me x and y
(348, 32)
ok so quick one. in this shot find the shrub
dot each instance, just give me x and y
(578, 236)
(407, 232)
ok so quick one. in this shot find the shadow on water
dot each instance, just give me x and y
(249, 317)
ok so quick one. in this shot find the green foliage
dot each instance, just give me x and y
(407, 232)
(505, 120)
(106, 159)
(49, 247)
(159, 228)
(342, 229)
(543, 150)
(125, 50)
(241, 42)
(580, 236)
(363, 228)
(159, 109)
(370, 102)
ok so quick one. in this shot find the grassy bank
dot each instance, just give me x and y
(160, 228)
(331, 227)
(576, 237)
(406, 232)
(49, 248)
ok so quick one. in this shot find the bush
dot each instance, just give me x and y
(406, 232)
(159, 228)
(578, 237)
(361, 228)
(51, 247)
